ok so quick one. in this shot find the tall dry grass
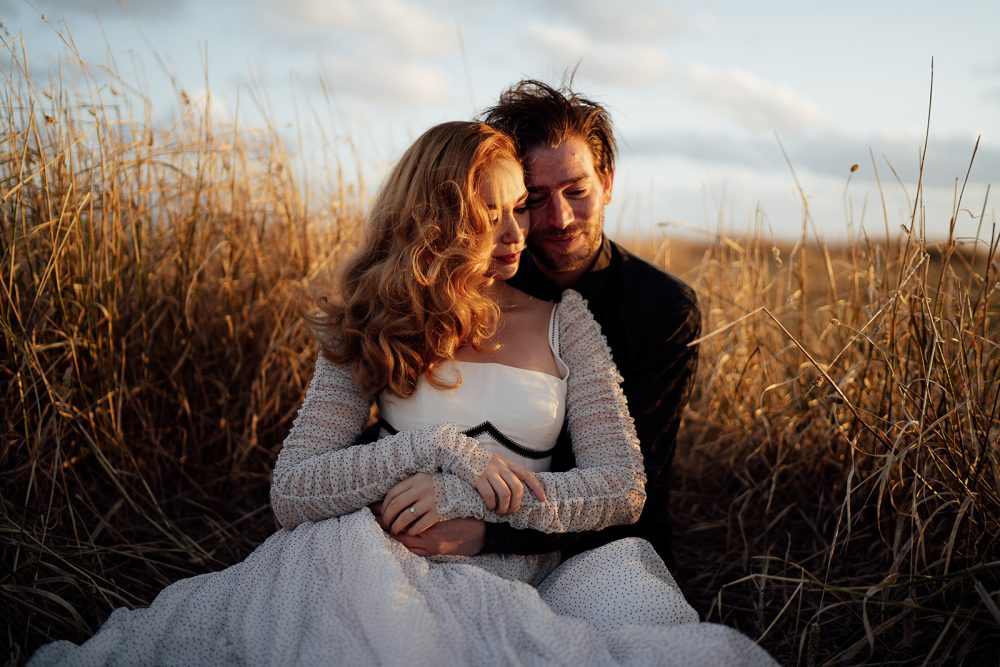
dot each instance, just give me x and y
(837, 483)
(152, 356)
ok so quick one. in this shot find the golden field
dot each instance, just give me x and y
(837, 486)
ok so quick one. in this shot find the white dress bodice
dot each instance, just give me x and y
(514, 412)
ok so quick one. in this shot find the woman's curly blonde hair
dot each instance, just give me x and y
(414, 292)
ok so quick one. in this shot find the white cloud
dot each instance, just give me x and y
(383, 51)
(203, 102)
(144, 7)
(392, 25)
(633, 20)
(190, 110)
(754, 102)
(831, 154)
(570, 42)
(609, 62)
(386, 80)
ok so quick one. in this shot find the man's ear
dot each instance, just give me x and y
(607, 183)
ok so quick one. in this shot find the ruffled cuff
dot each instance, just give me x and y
(461, 455)
(456, 499)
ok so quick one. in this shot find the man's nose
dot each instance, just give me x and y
(558, 212)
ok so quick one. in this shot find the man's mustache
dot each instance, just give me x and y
(554, 233)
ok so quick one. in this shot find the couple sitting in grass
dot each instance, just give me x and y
(510, 503)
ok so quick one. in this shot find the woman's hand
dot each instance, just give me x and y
(410, 506)
(501, 485)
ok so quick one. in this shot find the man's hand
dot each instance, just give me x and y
(454, 537)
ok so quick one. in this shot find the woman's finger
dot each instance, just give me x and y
(395, 491)
(530, 480)
(486, 491)
(516, 490)
(407, 517)
(503, 494)
(399, 504)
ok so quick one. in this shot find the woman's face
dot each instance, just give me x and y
(503, 193)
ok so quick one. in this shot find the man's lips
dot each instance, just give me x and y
(560, 240)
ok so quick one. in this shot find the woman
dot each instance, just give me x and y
(473, 380)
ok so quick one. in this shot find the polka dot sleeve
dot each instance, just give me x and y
(320, 474)
(608, 485)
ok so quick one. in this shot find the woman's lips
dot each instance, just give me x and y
(508, 259)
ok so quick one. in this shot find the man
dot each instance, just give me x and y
(648, 317)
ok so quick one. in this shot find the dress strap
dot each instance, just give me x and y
(554, 341)
(554, 330)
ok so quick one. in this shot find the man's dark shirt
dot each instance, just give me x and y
(648, 318)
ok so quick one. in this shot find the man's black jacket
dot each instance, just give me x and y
(648, 318)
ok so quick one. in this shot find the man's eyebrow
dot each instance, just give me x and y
(569, 181)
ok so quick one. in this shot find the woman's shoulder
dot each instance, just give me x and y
(573, 307)
(575, 319)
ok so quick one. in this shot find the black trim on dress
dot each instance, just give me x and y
(486, 427)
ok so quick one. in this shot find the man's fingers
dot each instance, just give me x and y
(412, 541)
(530, 480)
(376, 509)
(423, 523)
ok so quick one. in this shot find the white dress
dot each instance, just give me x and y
(333, 588)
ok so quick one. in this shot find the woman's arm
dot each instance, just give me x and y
(319, 474)
(608, 486)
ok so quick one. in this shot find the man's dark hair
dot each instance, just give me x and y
(535, 114)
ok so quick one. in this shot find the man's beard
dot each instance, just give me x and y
(570, 259)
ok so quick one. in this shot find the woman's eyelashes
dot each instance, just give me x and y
(496, 215)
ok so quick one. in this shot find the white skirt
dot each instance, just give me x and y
(342, 592)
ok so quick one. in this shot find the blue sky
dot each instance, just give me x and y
(700, 91)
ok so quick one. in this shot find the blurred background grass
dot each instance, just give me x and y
(837, 488)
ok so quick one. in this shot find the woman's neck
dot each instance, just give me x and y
(506, 296)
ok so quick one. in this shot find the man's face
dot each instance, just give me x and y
(566, 199)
